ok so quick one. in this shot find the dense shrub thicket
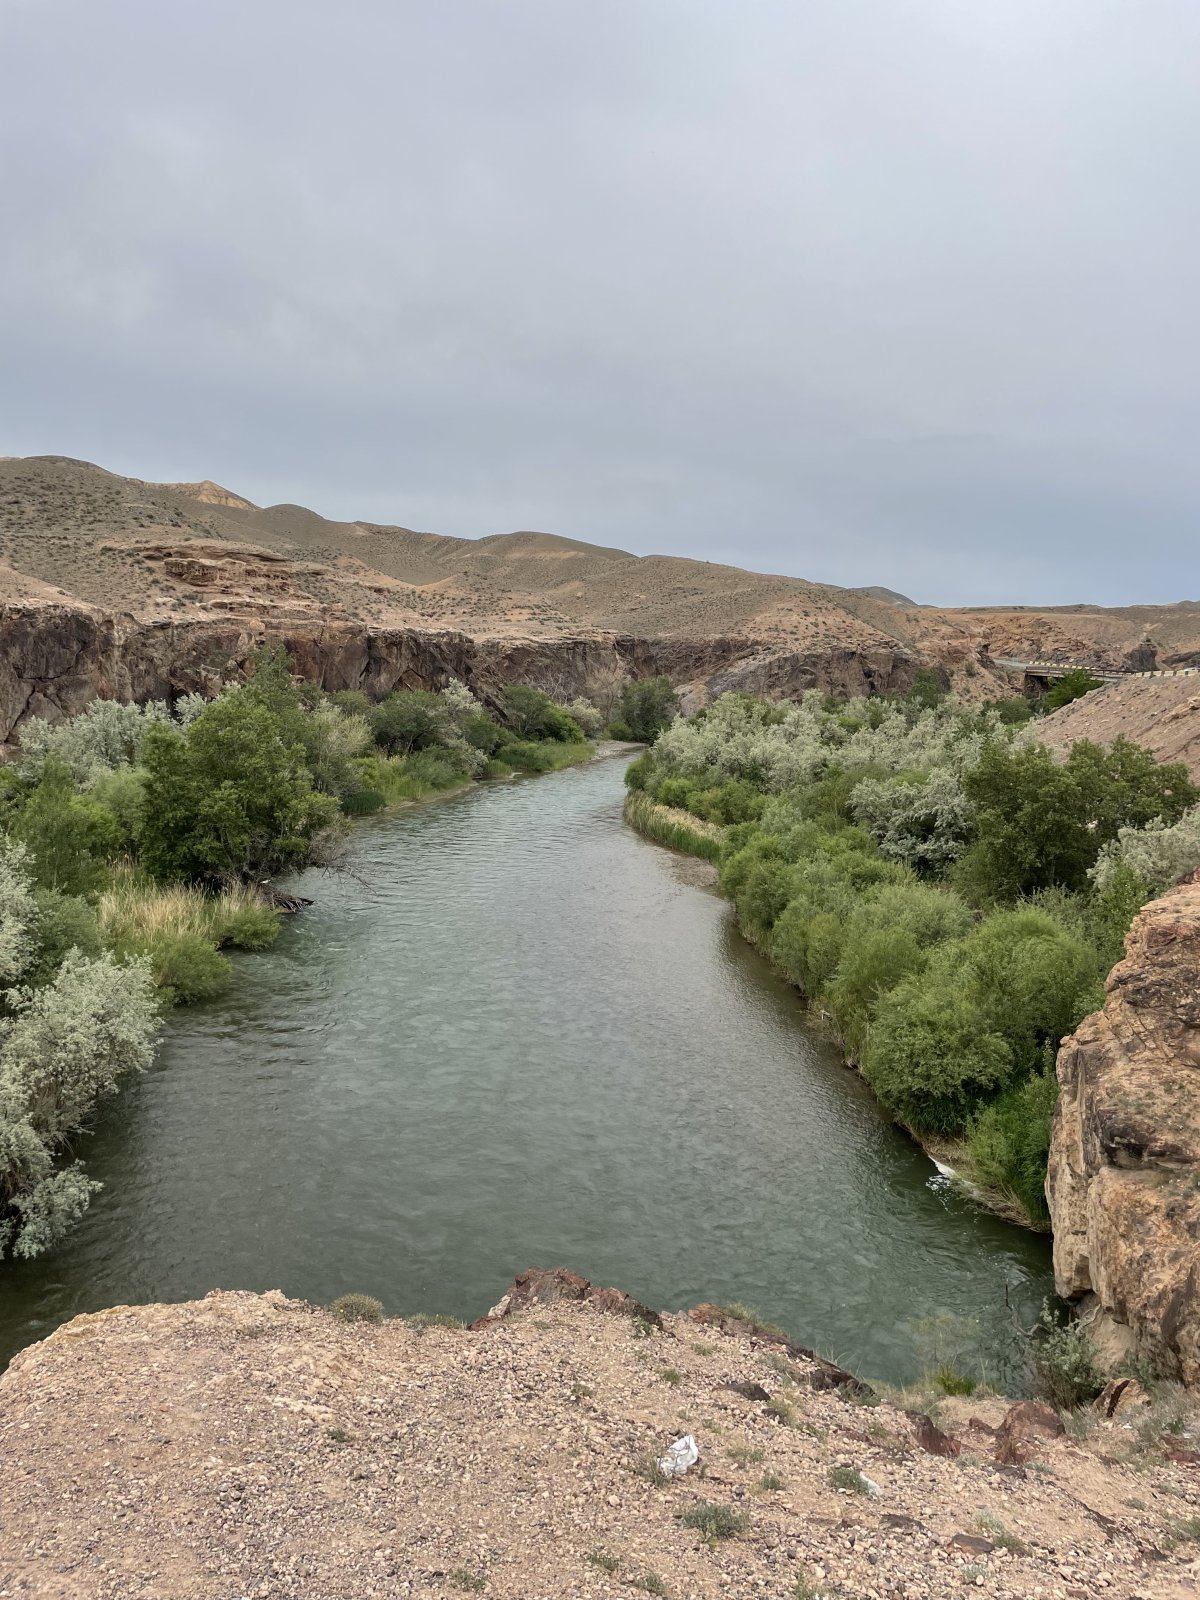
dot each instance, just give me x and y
(946, 894)
(133, 840)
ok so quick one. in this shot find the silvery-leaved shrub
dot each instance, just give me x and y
(105, 735)
(63, 1048)
(1158, 854)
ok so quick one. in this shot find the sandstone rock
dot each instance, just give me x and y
(547, 1287)
(1121, 1396)
(930, 1437)
(1124, 1172)
(1023, 1432)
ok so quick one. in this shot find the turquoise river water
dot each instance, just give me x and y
(521, 1035)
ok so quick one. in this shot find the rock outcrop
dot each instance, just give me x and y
(54, 658)
(1124, 1173)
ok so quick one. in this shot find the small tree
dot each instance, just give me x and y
(70, 836)
(227, 798)
(646, 706)
(67, 1046)
(1070, 687)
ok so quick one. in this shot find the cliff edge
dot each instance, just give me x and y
(250, 1445)
(1124, 1172)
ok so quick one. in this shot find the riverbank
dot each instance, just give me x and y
(249, 1444)
(677, 829)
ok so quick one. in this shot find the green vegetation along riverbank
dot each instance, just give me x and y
(946, 895)
(136, 846)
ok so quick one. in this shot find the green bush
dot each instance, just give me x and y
(226, 798)
(187, 967)
(70, 837)
(672, 791)
(1031, 979)
(1008, 1142)
(406, 721)
(1064, 1362)
(931, 1057)
(646, 706)
(63, 922)
(362, 802)
(249, 927)
(872, 962)
(1070, 687)
(639, 770)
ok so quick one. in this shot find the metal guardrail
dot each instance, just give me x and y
(1061, 668)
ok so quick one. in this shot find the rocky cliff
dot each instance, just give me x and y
(56, 657)
(1124, 1174)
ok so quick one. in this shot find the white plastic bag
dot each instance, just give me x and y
(684, 1453)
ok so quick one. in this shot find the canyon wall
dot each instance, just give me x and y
(1124, 1174)
(55, 658)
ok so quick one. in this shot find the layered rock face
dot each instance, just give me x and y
(1124, 1173)
(55, 658)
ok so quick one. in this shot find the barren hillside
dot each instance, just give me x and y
(1163, 714)
(194, 575)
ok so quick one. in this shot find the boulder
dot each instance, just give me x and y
(539, 1286)
(1022, 1435)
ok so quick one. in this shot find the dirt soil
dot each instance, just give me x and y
(253, 1446)
(1163, 714)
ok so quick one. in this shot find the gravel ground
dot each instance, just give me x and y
(252, 1446)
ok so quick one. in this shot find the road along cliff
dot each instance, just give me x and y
(1124, 1173)
(250, 1445)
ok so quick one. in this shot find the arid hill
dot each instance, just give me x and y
(164, 586)
(247, 1445)
(1163, 714)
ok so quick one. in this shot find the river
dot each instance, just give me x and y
(521, 1035)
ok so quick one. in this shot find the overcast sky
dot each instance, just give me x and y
(870, 291)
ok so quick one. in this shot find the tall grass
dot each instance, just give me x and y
(180, 928)
(678, 830)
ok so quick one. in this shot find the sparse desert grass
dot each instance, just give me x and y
(769, 1482)
(714, 1521)
(849, 1479)
(745, 1455)
(464, 1578)
(671, 1375)
(356, 1308)
(646, 1466)
(1002, 1537)
(602, 1559)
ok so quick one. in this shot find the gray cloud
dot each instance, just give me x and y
(872, 291)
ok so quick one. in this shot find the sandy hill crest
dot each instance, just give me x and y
(68, 523)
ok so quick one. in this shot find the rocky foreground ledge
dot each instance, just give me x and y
(252, 1446)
